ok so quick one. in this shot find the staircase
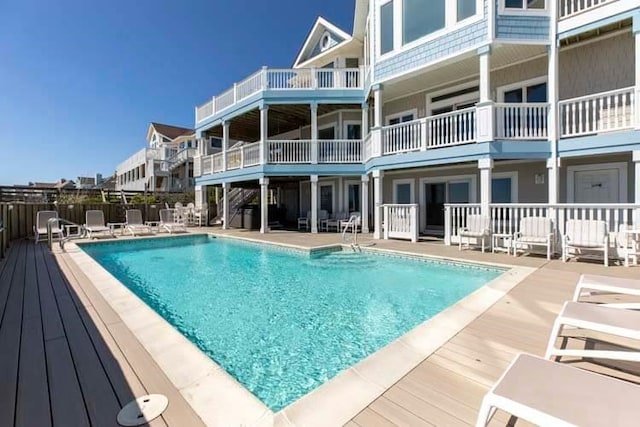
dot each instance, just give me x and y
(238, 197)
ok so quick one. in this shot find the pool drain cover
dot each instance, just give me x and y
(142, 410)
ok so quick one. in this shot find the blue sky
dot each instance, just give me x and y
(80, 80)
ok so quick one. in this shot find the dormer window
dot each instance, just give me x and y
(326, 41)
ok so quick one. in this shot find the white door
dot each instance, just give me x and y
(597, 186)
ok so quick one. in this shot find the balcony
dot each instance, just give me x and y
(574, 14)
(323, 79)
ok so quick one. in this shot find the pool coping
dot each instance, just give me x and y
(219, 399)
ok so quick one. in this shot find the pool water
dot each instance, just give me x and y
(284, 322)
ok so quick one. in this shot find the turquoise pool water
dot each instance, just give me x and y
(284, 322)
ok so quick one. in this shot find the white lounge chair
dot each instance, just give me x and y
(585, 235)
(627, 245)
(478, 227)
(596, 318)
(40, 228)
(548, 393)
(170, 222)
(590, 284)
(94, 224)
(135, 225)
(305, 221)
(534, 231)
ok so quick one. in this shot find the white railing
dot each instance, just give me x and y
(251, 154)
(340, 151)
(234, 158)
(601, 112)
(207, 165)
(249, 86)
(522, 121)
(402, 138)
(401, 222)
(568, 8)
(456, 127)
(282, 79)
(181, 157)
(289, 151)
(216, 162)
(197, 166)
(505, 218)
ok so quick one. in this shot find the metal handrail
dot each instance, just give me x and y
(354, 230)
(63, 240)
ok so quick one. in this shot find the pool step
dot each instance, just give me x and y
(343, 260)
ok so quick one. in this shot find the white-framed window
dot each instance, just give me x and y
(504, 187)
(422, 17)
(453, 98)
(352, 196)
(327, 131)
(402, 117)
(387, 27)
(326, 195)
(352, 129)
(403, 191)
(436, 191)
(533, 90)
(523, 6)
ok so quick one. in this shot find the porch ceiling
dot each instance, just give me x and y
(282, 118)
(458, 69)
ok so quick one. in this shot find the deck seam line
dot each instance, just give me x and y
(38, 256)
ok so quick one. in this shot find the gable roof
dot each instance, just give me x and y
(171, 132)
(313, 38)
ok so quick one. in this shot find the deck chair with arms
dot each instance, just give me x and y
(42, 221)
(135, 225)
(170, 222)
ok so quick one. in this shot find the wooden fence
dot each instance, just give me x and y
(19, 218)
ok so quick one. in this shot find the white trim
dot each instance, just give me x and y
(500, 90)
(328, 26)
(346, 184)
(471, 179)
(622, 178)
(514, 183)
(411, 182)
(390, 117)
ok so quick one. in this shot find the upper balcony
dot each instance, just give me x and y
(301, 81)
(575, 16)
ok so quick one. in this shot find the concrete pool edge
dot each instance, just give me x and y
(219, 399)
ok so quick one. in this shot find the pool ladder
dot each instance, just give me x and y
(351, 237)
(62, 241)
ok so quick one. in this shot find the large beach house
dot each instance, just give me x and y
(430, 110)
(166, 164)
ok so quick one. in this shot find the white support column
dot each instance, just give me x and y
(364, 203)
(376, 130)
(226, 125)
(377, 203)
(553, 97)
(636, 35)
(201, 195)
(314, 133)
(225, 205)
(264, 205)
(553, 168)
(485, 166)
(264, 133)
(365, 119)
(485, 108)
(314, 203)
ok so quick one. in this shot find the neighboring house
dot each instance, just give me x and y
(85, 182)
(166, 164)
(62, 184)
(434, 102)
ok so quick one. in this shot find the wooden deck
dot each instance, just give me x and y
(66, 358)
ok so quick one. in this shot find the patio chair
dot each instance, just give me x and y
(554, 394)
(40, 228)
(135, 225)
(627, 245)
(334, 221)
(305, 221)
(94, 224)
(590, 284)
(356, 223)
(170, 222)
(595, 318)
(534, 231)
(478, 227)
(201, 214)
(585, 234)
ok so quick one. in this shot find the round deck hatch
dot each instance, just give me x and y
(142, 410)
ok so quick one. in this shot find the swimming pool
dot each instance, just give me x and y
(283, 322)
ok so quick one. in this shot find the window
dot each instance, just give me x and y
(386, 27)
(503, 189)
(403, 191)
(353, 131)
(401, 118)
(421, 17)
(525, 4)
(466, 9)
(353, 193)
(533, 93)
(326, 198)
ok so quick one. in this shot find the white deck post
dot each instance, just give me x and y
(485, 166)
(264, 205)
(364, 205)
(314, 133)
(553, 98)
(636, 190)
(377, 203)
(485, 108)
(314, 203)
(226, 125)
(225, 205)
(201, 195)
(264, 133)
(636, 35)
(376, 131)
(365, 120)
